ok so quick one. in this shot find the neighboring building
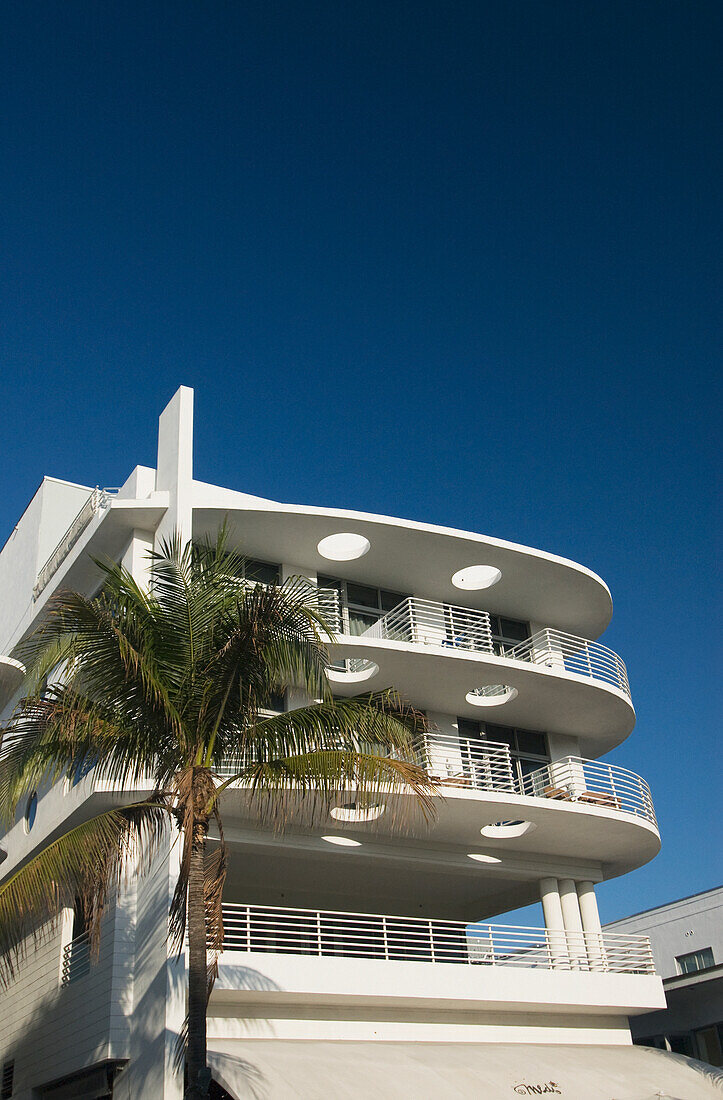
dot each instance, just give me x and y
(687, 941)
(354, 958)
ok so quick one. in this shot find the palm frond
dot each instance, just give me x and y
(85, 863)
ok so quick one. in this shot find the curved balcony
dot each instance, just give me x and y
(488, 766)
(425, 622)
(551, 680)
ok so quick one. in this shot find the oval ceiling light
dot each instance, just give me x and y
(342, 841)
(480, 857)
(351, 811)
(492, 695)
(345, 546)
(476, 577)
(507, 830)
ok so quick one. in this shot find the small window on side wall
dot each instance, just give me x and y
(695, 960)
(8, 1080)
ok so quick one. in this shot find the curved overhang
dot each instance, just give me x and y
(415, 558)
(11, 677)
(439, 679)
(417, 866)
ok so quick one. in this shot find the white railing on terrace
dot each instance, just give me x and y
(489, 766)
(76, 959)
(594, 783)
(428, 622)
(414, 939)
(556, 649)
(97, 502)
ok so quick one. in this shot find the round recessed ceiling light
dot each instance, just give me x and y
(481, 858)
(475, 577)
(507, 830)
(342, 841)
(345, 546)
(352, 811)
(492, 695)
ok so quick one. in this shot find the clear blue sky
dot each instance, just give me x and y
(456, 261)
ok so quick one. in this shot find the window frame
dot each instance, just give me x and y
(680, 959)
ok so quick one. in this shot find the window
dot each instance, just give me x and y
(528, 748)
(31, 811)
(507, 633)
(363, 605)
(695, 960)
(263, 572)
(6, 1086)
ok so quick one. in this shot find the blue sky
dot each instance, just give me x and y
(446, 260)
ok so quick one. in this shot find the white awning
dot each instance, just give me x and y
(272, 1069)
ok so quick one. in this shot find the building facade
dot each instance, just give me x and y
(686, 937)
(357, 953)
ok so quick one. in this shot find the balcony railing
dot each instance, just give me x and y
(594, 783)
(427, 622)
(413, 939)
(489, 766)
(98, 501)
(76, 959)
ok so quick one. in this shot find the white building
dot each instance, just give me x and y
(686, 937)
(351, 959)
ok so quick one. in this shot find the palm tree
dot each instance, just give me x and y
(157, 688)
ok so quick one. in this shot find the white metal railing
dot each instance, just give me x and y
(98, 501)
(463, 762)
(414, 939)
(428, 622)
(76, 959)
(592, 782)
(556, 649)
(489, 766)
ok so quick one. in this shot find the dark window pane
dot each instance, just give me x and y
(500, 733)
(530, 742)
(512, 628)
(262, 571)
(696, 960)
(330, 582)
(361, 594)
(359, 621)
(467, 728)
(390, 600)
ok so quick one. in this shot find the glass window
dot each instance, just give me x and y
(528, 748)
(263, 572)
(363, 605)
(363, 595)
(695, 960)
(531, 743)
(506, 633)
(390, 600)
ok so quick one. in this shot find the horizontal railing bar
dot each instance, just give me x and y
(268, 929)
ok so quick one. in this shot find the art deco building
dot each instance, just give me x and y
(360, 959)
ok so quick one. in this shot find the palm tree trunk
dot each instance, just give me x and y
(197, 988)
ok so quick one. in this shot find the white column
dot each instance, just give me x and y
(174, 467)
(591, 925)
(573, 923)
(554, 923)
